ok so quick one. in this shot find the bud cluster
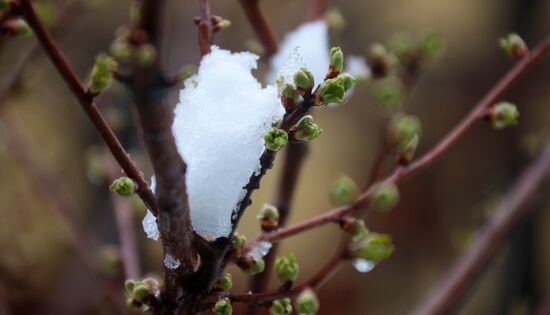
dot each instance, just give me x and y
(286, 268)
(281, 307)
(123, 186)
(374, 247)
(102, 74)
(514, 46)
(344, 191)
(503, 115)
(307, 302)
(223, 307)
(141, 294)
(275, 139)
(269, 218)
(305, 129)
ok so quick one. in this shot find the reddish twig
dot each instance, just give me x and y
(205, 27)
(261, 26)
(513, 210)
(316, 9)
(543, 308)
(87, 104)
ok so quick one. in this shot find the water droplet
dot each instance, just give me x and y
(363, 265)
(150, 227)
(170, 262)
(260, 250)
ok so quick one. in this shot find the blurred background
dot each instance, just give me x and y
(49, 151)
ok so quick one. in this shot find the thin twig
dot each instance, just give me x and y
(511, 211)
(316, 9)
(87, 104)
(205, 28)
(261, 26)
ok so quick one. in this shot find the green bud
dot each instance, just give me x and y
(275, 139)
(110, 261)
(360, 231)
(385, 196)
(102, 73)
(432, 44)
(336, 59)
(306, 129)
(238, 241)
(223, 24)
(146, 54)
(402, 129)
(120, 49)
(374, 247)
(4, 5)
(269, 217)
(289, 92)
(404, 46)
(281, 307)
(331, 91)
(132, 304)
(504, 115)
(21, 28)
(123, 186)
(286, 268)
(129, 285)
(347, 81)
(307, 302)
(257, 267)
(141, 291)
(186, 72)
(514, 46)
(335, 20)
(304, 79)
(406, 154)
(381, 61)
(388, 92)
(344, 191)
(135, 12)
(223, 307)
(225, 282)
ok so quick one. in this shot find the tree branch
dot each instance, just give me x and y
(316, 9)
(261, 26)
(156, 116)
(512, 211)
(87, 104)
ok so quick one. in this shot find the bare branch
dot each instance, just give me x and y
(205, 28)
(512, 211)
(87, 104)
(261, 26)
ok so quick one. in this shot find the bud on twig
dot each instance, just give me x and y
(123, 186)
(18, 27)
(335, 20)
(225, 282)
(121, 49)
(503, 115)
(360, 231)
(336, 60)
(388, 92)
(375, 247)
(286, 268)
(102, 74)
(223, 307)
(385, 196)
(307, 302)
(304, 79)
(258, 266)
(281, 307)
(289, 97)
(406, 154)
(146, 54)
(238, 241)
(381, 61)
(269, 218)
(275, 139)
(344, 191)
(402, 129)
(306, 129)
(331, 91)
(514, 46)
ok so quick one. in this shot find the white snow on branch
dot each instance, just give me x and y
(310, 41)
(219, 125)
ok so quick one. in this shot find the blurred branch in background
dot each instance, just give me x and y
(511, 211)
(261, 26)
